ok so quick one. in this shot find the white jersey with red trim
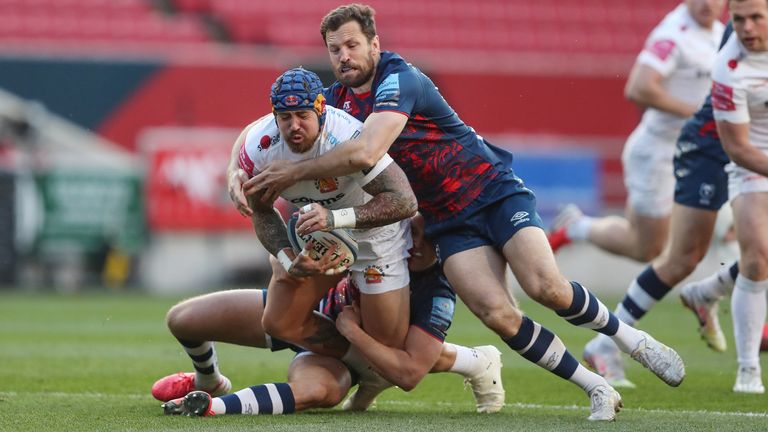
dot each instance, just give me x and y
(263, 144)
(683, 52)
(740, 89)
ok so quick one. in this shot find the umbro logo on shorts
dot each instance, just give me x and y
(519, 218)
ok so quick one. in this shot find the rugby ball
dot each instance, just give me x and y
(323, 243)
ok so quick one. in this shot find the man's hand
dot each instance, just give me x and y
(235, 185)
(348, 320)
(273, 179)
(314, 217)
(304, 266)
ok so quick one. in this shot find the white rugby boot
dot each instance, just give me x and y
(748, 380)
(370, 385)
(486, 386)
(603, 356)
(604, 403)
(706, 314)
(660, 359)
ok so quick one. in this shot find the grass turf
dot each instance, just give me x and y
(87, 362)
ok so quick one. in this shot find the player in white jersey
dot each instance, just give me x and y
(670, 79)
(740, 104)
(300, 128)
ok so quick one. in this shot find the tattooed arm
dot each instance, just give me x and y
(393, 200)
(269, 226)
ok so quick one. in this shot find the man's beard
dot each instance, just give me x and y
(352, 82)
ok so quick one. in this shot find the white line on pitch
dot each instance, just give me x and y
(517, 405)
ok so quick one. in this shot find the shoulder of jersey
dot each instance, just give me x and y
(338, 116)
(263, 136)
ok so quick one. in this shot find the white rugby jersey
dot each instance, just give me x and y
(740, 89)
(263, 144)
(683, 52)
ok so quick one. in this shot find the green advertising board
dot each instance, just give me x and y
(88, 211)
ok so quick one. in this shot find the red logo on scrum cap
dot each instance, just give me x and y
(291, 100)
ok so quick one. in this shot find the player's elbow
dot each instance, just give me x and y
(362, 160)
(409, 382)
(409, 378)
(637, 95)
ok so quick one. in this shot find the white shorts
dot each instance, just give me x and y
(744, 181)
(649, 173)
(380, 277)
(382, 262)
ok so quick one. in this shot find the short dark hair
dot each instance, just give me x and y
(361, 13)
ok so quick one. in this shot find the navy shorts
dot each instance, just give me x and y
(701, 180)
(432, 305)
(492, 225)
(432, 302)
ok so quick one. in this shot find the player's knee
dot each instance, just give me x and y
(278, 329)
(320, 394)
(501, 317)
(176, 318)
(754, 266)
(553, 292)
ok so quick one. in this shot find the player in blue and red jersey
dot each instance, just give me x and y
(478, 212)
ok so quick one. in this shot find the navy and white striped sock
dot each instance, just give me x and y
(644, 292)
(539, 345)
(274, 398)
(589, 312)
(203, 355)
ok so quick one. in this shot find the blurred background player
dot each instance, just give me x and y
(701, 189)
(670, 79)
(739, 97)
(477, 211)
(316, 381)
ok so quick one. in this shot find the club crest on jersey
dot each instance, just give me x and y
(327, 184)
(373, 274)
(347, 106)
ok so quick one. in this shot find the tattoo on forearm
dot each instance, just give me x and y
(269, 227)
(393, 199)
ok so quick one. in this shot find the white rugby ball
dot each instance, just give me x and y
(323, 243)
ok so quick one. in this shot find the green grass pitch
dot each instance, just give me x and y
(87, 362)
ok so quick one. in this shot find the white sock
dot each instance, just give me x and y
(717, 285)
(748, 309)
(586, 379)
(627, 337)
(203, 355)
(578, 230)
(217, 406)
(469, 361)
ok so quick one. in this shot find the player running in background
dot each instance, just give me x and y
(477, 211)
(739, 95)
(670, 78)
(701, 189)
(316, 381)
